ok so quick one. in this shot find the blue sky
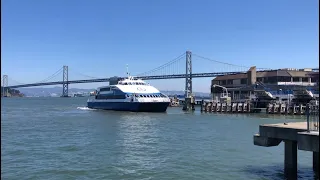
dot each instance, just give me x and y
(99, 37)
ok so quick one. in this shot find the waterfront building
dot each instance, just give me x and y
(280, 83)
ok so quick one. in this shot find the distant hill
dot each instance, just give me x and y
(57, 91)
(54, 91)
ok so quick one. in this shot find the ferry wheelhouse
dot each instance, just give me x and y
(129, 95)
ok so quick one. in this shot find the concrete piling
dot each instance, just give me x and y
(315, 162)
(290, 159)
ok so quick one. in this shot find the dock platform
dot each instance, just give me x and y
(295, 136)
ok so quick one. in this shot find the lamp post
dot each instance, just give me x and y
(215, 85)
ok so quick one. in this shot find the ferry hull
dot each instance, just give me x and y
(130, 106)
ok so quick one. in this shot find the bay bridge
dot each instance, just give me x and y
(169, 70)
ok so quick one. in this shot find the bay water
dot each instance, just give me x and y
(59, 138)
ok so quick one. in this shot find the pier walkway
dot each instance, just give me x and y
(295, 135)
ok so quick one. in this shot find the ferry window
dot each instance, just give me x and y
(105, 89)
(125, 83)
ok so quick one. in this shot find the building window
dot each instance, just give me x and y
(223, 82)
(314, 80)
(230, 81)
(272, 80)
(259, 79)
(215, 82)
(243, 81)
(305, 79)
(296, 79)
(284, 79)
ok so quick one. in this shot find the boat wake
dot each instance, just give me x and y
(85, 108)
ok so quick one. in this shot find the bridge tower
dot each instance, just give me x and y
(189, 99)
(5, 90)
(188, 89)
(65, 83)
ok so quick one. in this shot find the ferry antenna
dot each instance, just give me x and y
(128, 74)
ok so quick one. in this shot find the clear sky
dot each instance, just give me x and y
(99, 37)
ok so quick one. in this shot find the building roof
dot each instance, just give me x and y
(231, 76)
(298, 73)
(272, 73)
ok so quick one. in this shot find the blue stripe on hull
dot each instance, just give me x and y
(130, 106)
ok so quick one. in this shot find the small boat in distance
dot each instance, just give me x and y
(129, 94)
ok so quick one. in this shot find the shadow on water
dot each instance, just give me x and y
(276, 172)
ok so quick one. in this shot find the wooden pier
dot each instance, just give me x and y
(249, 107)
(226, 107)
(284, 108)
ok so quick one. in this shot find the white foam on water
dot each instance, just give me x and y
(85, 108)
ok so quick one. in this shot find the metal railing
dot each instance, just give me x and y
(312, 112)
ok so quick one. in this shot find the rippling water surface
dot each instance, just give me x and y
(59, 138)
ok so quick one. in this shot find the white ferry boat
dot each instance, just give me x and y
(129, 95)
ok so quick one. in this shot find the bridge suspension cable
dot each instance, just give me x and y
(52, 76)
(14, 81)
(220, 62)
(163, 66)
(91, 77)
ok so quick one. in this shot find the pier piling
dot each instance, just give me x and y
(315, 163)
(290, 159)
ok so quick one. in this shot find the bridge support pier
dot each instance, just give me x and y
(65, 87)
(189, 99)
(5, 90)
(188, 104)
